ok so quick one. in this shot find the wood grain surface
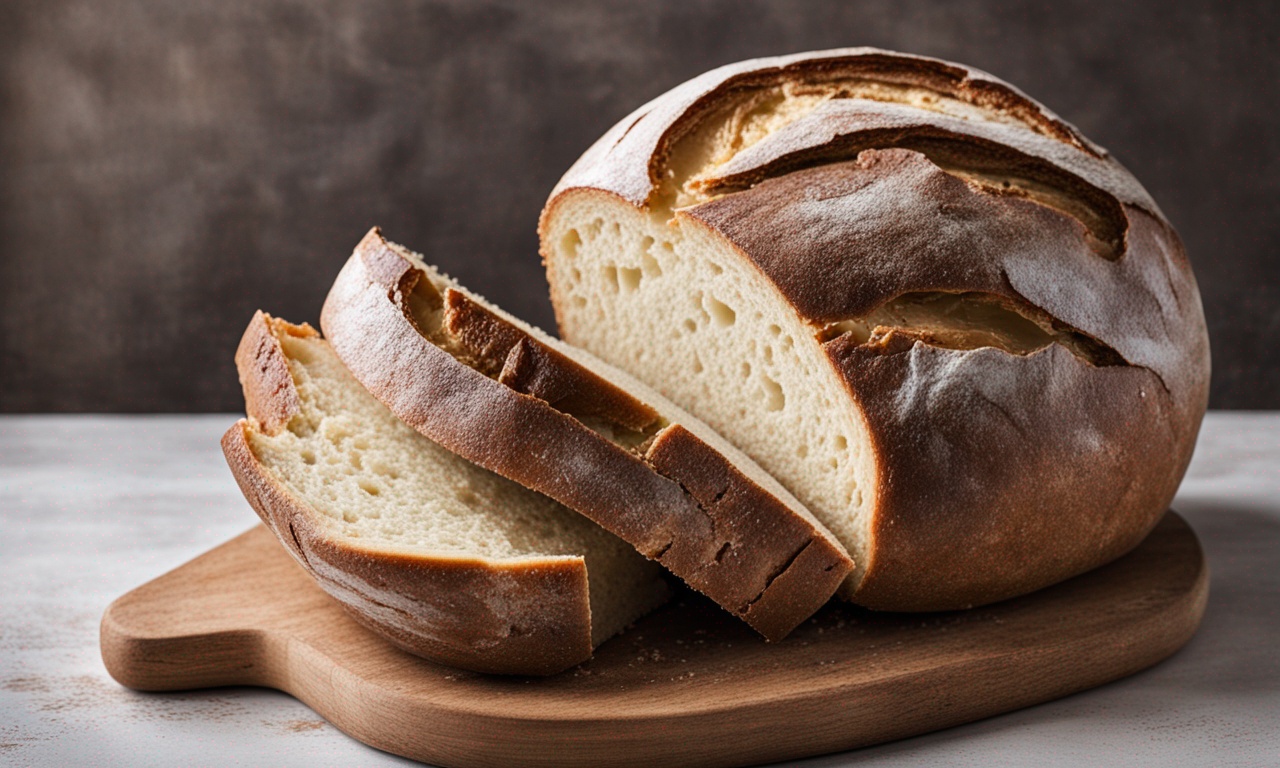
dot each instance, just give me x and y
(689, 685)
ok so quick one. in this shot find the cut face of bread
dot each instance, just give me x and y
(557, 420)
(959, 332)
(446, 559)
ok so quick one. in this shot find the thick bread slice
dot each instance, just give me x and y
(443, 558)
(528, 407)
(958, 331)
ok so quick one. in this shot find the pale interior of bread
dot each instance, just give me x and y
(668, 304)
(375, 481)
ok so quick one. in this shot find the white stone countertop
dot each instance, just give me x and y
(92, 506)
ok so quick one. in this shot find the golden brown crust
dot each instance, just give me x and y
(503, 351)
(1004, 474)
(524, 616)
(997, 473)
(270, 397)
(800, 566)
(367, 319)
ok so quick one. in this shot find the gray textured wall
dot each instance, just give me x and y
(167, 167)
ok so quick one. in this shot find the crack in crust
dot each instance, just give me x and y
(774, 576)
(745, 101)
(967, 320)
(986, 165)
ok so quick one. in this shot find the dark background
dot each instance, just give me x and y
(167, 167)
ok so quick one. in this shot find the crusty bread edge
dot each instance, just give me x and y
(546, 630)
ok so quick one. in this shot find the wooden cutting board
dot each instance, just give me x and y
(689, 685)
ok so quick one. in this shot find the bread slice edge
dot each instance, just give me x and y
(526, 615)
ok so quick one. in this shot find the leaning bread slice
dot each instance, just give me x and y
(443, 558)
(528, 407)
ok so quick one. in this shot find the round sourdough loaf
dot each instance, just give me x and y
(957, 330)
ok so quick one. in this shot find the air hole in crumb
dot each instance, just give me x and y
(356, 461)
(646, 242)
(369, 488)
(788, 342)
(629, 278)
(668, 246)
(722, 313)
(308, 457)
(611, 276)
(576, 274)
(776, 330)
(336, 434)
(802, 451)
(690, 325)
(697, 364)
(350, 517)
(841, 443)
(570, 242)
(466, 496)
(834, 463)
(651, 266)
(716, 269)
(775, 400)
(580, 301)
(299, 350)
(746, 369)
(617, 229)
(768, 355)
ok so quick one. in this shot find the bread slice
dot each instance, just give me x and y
(443, 558)
(528, 407)
(957, 330)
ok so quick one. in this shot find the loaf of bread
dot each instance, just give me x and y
(443, 558)
(962, 334)
(513, 400)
